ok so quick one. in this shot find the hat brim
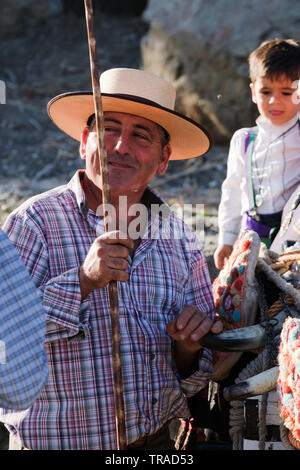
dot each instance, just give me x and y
(188, 139)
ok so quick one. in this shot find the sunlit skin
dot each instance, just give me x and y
(276, 99)
(135, 155)
(134, 151)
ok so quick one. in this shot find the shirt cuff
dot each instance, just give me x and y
(227, 238)
(66, 314)
(199, 379)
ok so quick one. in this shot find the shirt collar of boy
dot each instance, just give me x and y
(272, 131)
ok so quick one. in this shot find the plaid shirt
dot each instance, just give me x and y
(23, 361)
(53, 233)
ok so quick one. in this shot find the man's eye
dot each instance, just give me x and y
(111, 129)
(142, 136)
(287, 93)
(265, 92)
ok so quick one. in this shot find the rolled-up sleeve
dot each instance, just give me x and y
(230, 208)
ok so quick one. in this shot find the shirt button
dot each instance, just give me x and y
(152, 356)
(154, 400)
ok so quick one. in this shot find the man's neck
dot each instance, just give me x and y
(93, 196)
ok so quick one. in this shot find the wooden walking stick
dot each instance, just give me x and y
(113, 288)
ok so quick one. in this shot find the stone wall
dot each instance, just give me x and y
(202, 47)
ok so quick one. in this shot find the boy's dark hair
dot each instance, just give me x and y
(274, 58)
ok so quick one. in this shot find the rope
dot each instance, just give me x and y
(264, 360)
(236, 423)
(269, 265)
(277, 306)
(285, 438)
(236, 413)
(262, 426)
(280, 282)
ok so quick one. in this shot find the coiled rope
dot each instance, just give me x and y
(268, 357)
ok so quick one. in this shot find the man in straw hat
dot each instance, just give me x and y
(165, 298)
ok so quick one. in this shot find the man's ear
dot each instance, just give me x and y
(83, 141)
(252, 88)
(164, 161)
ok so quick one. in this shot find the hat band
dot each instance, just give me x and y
(139, 99)
(135, 99)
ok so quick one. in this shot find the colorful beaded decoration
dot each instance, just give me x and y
(289, 376)
(229, 288)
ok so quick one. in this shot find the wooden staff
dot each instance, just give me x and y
(113, 288)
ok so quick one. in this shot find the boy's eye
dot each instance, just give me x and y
(287, 93)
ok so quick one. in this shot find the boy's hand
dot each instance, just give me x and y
(221, 254)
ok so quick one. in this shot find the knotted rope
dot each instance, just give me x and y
(288, 441)
(281, 283)
(236, 413)
(268, 358)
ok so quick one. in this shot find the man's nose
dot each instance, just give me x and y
(122, 143)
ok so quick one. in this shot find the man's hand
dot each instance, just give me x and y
(190, 326)
(107, 260)
(221, 254)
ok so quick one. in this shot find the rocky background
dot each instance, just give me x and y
(200, 46)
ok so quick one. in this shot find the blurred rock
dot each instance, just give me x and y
(202, 47)
(113, 7)
(16, 15)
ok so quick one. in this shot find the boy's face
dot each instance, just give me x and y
(276, 100)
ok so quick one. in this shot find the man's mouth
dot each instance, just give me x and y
(120, 163)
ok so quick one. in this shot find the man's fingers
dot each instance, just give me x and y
(171, 327)
(184, 318)
(197, 328)
(112, 251)
(117, 275)
(117, 263)
(116, 237)
(217, 327)
(193, 324)
(112, 244)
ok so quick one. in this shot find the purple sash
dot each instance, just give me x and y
(250, 224)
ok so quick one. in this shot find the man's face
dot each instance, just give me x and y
(274, 99)
(134, 151)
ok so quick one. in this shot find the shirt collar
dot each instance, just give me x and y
(75, 186)
(273, 132)
(150, 196)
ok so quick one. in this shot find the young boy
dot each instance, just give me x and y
(264, 161)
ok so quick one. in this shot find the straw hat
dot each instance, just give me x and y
(134, 92)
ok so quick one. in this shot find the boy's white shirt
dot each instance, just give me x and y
(275, 166)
